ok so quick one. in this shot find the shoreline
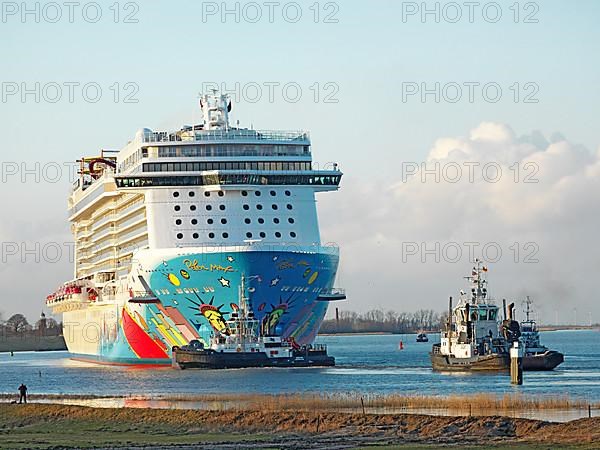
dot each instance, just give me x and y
(57, 343)
(21, 344)
(32, 425)
(546, 328)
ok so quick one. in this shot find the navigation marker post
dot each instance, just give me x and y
(516, 364)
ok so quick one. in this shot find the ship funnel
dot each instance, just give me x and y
(215, 111)
(511, 309)
(469, 328)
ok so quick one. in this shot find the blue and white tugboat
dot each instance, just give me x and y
(537, 356)
(472, 340)
(243, 341)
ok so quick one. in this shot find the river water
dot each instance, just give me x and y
(367, 364)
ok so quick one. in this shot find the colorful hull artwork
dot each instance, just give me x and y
(196, 293)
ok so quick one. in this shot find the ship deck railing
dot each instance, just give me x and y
(319, 347)
(227, 135)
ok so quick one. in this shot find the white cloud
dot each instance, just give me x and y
(557, 212)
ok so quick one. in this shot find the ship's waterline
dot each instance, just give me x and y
(166, 229)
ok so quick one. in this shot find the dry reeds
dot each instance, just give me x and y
(353, 402)
(477, 403)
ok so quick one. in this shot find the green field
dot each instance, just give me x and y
(41, 434)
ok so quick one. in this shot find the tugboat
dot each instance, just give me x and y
(242, 343)
(422, 337)
(537, 356)
(472, 341)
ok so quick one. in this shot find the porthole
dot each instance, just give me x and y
(245, 193)
(208, 207)
(259, 206)
(288, 193)
(274, 206)
(289, 206)
(192, 194)
(290, 220)
(222, 207)
(249, 235)
(273, 193)
(263, 234)
(277, 234)
(225, 235)
(210, 221)
(292, 234)
(179, 235)
(194, 221)
(177, 208)
(221, 193)
(175, 194)
(195, 235)
(206, 194)
(247, 221)
(246, 207)
(193, 208)
(261, 220)
(178, 222)
(275, 220)
(211, 235)
(224, 221)
(257, 193)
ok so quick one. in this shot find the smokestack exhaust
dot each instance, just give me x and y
(450, 315)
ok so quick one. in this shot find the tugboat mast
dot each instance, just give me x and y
(478, 289)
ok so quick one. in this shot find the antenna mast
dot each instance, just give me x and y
(528, 303)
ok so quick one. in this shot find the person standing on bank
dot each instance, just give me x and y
(23, 393)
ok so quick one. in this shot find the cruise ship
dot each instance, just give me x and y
(166, 228)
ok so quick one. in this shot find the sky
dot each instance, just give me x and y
(399, 99)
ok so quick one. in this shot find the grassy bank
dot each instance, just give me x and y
(50, 426)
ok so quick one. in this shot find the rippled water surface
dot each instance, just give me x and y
(364, 363)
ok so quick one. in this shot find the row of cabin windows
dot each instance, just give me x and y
(247, 221)
(195, 151)
(226, 165)
(212, 179)
(176, 194)
(259, 193)
(246, 207)
(249, 235)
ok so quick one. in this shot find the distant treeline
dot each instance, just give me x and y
(17, 325)
(379, 321)
(18, 335)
